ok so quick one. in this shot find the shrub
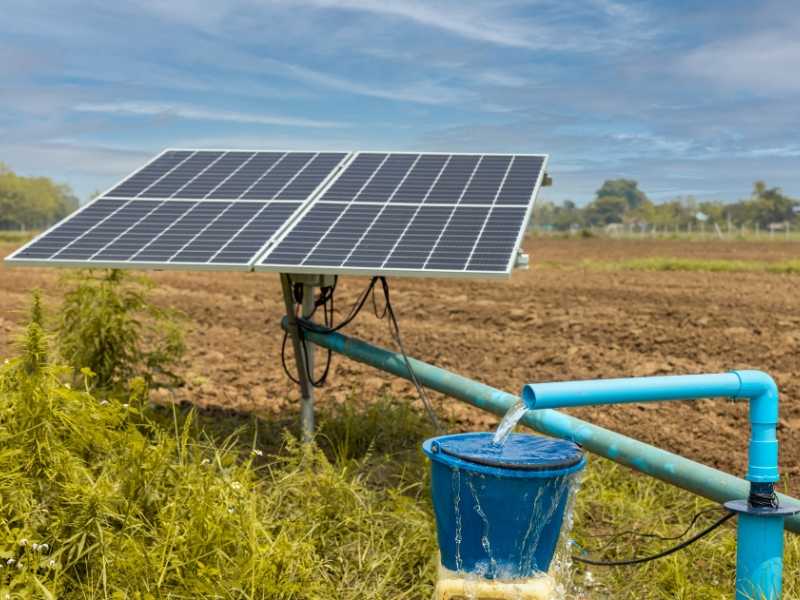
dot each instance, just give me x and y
(109, 326)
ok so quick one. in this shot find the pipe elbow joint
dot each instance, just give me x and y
(762, 392)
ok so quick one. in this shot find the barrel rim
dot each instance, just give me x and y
(487, 466)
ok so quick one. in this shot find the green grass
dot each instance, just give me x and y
(16, 237)
(614, 499)
(117, 499)
(785, 267)
(709, 235)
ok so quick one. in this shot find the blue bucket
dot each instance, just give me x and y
(499, 512)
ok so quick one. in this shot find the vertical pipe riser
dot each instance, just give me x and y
(762, 392)
(763, 450)
(759, 557)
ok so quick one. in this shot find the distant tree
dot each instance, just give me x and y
(32, 202)
(630, 205)
(770, 205)
(558, 216)
(606, 210)
(627, 189)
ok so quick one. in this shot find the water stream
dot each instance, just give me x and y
(509, 422)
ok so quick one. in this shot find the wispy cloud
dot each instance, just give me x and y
(419, 91)
(500, 78)
(762, 63)
(194, 113)
(644, 142)
(790, 150)
(78, 156)
(456, 18)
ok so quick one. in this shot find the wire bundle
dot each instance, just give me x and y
(326, 300)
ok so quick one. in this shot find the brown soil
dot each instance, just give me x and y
(548, 323)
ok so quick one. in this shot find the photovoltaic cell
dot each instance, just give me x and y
(422, 176)
(256, 167)
(148, 175)
(405, 213)
(230, 175)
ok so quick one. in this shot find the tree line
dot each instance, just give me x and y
(38, 202)
(620, 201)
(32, 202)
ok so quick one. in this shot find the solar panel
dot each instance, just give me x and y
(187, 209)
(414, 214)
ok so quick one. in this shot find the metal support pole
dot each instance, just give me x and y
(307, 402)
(306, 389)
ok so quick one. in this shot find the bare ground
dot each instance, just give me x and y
(556, 321)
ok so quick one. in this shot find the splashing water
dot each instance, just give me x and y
(456, 483)
(487, 546)
(566, 587)
(509, 422)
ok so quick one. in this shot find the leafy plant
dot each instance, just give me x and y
(109, 326)
(109, 499)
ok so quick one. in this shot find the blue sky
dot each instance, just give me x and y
(686, 97)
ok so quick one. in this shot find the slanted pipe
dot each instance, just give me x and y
(695, 477)
(755, 386)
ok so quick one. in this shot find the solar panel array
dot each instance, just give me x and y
(325, 212)
(402, 213)
(202, 209)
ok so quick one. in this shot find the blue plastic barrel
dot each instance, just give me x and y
(499, 512)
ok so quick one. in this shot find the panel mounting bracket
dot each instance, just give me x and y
(523, 261)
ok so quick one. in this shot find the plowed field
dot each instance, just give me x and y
(558, 320)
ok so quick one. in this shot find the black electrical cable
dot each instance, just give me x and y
(286, 370)
(766, 498)
(639, 534)
(394, 329)
(325, 296)
(304, 324)
(325, 299)
(354, 310)
(644, 559)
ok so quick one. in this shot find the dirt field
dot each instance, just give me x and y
(556, 321)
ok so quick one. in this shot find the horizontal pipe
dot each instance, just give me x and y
(633, 389)
(687, 474)
(755, 386)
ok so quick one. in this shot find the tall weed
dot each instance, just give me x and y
(109, 326)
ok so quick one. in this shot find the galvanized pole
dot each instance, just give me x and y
(303, 369)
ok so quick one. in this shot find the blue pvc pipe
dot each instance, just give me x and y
(695, 477)
(635, 389)
(755, 386)
(759, 552)
(759, 557)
